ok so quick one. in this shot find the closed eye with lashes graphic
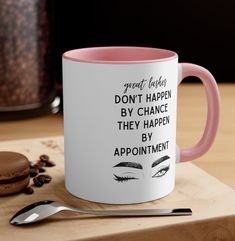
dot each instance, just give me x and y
(135, 171)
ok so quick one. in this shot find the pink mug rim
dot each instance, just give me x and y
(120, 55)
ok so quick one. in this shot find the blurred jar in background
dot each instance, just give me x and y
(27, 84)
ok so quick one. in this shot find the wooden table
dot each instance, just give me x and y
(219, 161)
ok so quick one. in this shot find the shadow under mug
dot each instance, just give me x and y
(120, 122)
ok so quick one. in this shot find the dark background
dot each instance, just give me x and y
(201, 32)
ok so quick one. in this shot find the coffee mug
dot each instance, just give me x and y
(120, 122)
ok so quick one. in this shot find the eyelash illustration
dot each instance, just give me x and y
(123, 179)
(162, 171)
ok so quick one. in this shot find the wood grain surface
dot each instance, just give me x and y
(212, 203)
(218, 162)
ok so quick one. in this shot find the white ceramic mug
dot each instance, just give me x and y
(120, 122)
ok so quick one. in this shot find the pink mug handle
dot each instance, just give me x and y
(213, 110)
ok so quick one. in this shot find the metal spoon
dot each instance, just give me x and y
(38, 211)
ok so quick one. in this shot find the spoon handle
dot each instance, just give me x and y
(140, 212)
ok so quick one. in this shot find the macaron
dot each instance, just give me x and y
(14, 172)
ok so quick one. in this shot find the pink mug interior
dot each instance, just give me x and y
(119, 55)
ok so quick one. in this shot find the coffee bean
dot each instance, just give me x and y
(37, 182)
(33, 172)
(50, 164)
(41, 170)
(47, 178)
(28, 190)
(44, 178)
(44, 158)
(40, 164)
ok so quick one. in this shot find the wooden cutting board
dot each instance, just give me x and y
(212, 202)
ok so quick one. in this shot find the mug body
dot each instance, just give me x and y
(120, 123)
